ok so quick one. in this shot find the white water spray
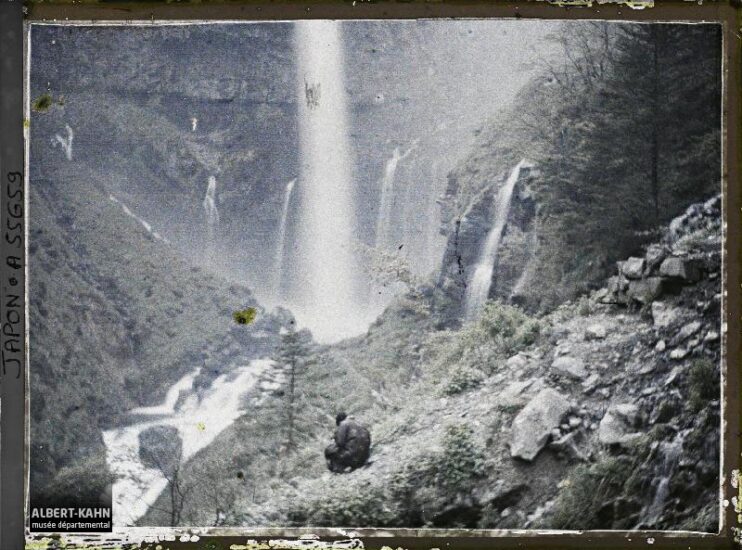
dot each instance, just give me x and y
(147, 226)
(384, 218)
(670, 453)
(329, 301)
(66, 143)
(280, 242)
(479, 286)
(198, 421)
(212, 216)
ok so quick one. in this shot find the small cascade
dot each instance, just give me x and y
(147, 226)
(670, 453)
(194, 124)
(280, 241)
(212, 217)
(65, 142)
(384, 217)
(479, 286)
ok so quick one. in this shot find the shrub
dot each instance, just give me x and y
(588, 488)
(704, 383)
(345, 505)
(462, 460)
(583, 306)
(506, 327)
(463, 379)
(412, 490)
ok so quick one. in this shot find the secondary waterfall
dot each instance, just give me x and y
(327, 274)
(212, 217)
(384, 217)
(280, 241)
(479, 286)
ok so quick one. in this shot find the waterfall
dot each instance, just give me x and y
(212, 217)
(66, 143)
(280, 242)
(479, 286)
(198, 421)
(327, 270)
(384, 217)
(670, 452)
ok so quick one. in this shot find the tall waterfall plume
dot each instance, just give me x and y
(328, 268)
(212, 218)
(281, 240)
(479, 286)
(384, 217)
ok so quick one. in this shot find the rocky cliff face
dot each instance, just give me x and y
(467, 220)
(163, 109)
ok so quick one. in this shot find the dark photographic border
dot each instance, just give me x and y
(13, 334)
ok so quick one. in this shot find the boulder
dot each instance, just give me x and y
(595, 332)
(532, 427)
(570, 366)
(680, 269)
(664, 315)
(654, 256)
(633, 268)
(516, 362)
(686, 332)
(679, 353)
(618, 424)
(646, 290)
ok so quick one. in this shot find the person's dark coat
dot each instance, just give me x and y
(351, 447)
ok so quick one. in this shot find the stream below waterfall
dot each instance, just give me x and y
(198, 421)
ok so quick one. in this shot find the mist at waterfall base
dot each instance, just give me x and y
(373, 144)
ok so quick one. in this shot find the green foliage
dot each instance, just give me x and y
(603, 122)
(345, 505)
(83, 482)
(462, 460)
(587, 489)
(704, 383)
(463, 379)
(501, 331)
(293, 353)
(583, 306)
(245, 316)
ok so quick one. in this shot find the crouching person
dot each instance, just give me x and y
(351, 446)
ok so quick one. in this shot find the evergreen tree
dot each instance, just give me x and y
(293, 354)
(624, 128)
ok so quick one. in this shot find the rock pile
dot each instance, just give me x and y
(673, 263)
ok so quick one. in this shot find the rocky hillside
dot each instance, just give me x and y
(116, 316)
(601, 414)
